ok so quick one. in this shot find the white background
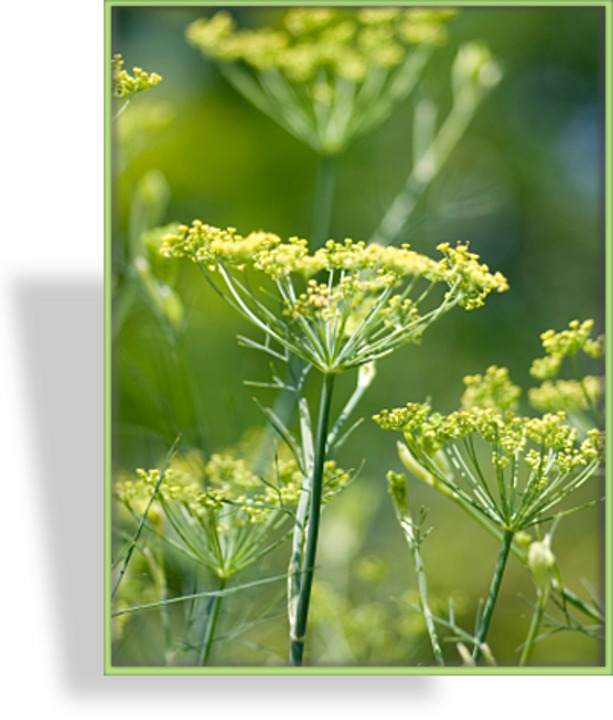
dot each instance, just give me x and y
(51, 405)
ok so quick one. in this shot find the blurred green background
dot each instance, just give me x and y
(524, 185)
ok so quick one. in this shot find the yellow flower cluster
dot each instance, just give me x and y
(343, 43)
(408, 418)
(265, 251)
(224, 483)
(360, 311)
(545, 441)
(492, 390)
(576, 338)
(125, 85)
(461, 268)
(326, 75)
(582, 393)
(567, 395)
(535, 464)
(209, 245)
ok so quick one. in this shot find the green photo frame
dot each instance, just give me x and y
(357, 280)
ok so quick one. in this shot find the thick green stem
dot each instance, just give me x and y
(324, 200)
(213, 607)
(298, 632)
(507, 541)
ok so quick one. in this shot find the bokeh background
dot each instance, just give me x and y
(524, 185)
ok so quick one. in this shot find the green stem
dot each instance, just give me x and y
(426, 168)
(322, 215)
(213, 607)
(143, 519)
(565, 594)
(420, 571)
(507, 541)
(423, 592)
(537, 617)
(121, 109)
(324, 200)
(298, 632)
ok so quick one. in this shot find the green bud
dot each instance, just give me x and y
(398, 489)
(474, 64)
(408, 460)
(522, 538)
(541, 562)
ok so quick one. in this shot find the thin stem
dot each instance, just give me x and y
(213, 607)
(427, 167)
(491, 526)
(537, 617)
(413, 542)
(324, 200)
(143, 520)
(195, 596)
(121, 109)
(507, 541)
(298, 631)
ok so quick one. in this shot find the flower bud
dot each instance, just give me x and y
(541, 561)
(408, 460)
(397, 488)
(474, 64)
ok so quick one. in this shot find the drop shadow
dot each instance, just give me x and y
(62, 353)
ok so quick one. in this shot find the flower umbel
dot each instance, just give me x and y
(126, 85)
(515, 471)
(342, 306)
(222, 515)
(493, 390)
(567, 343)
(581, 395)
(325, 74)
(567, 395)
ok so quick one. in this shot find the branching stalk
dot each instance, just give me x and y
(413, 542)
